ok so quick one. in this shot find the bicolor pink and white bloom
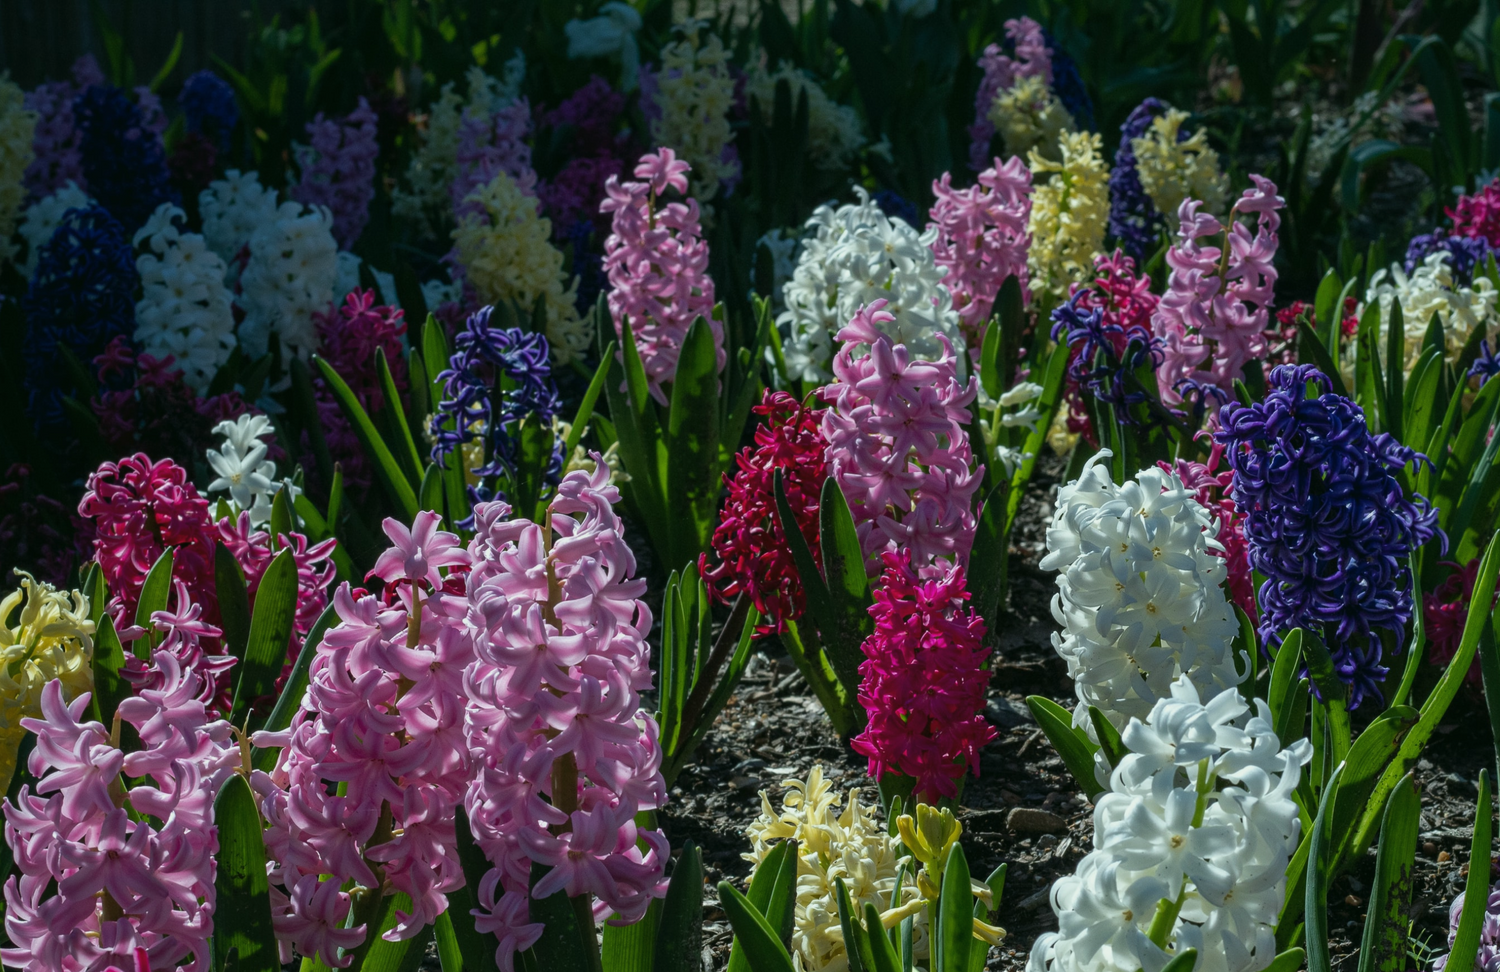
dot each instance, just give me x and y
(897, 446)
(1212, 318)
(565, 756)
(981, 239)
(657, 263)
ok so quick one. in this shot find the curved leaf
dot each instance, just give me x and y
(1477, 889)
(679, 932)
(1071, 744)
(392, 478)
(765, 951)
(1315, 909)
(270, 631)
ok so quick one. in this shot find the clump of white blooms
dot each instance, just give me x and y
(854, 255)
(233, 208)
(184, 310)
(1199, 819)
(833, 132)
(243, 469)
(851, 845)
(290, 276)
(43, 217)
(1430, 289)
(1138, 593)
(439, 291)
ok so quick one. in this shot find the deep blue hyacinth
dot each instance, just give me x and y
(1465, 253)
(588, 266)
(1327, 522)
(1068, 85)
(496, 377)
(1487, 365)
(1104, 354)
(894, 205)
(81, 297)
(208, 107)
(1133, 219)
(123, 160)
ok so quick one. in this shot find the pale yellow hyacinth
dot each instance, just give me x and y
(45, 634)
(17, 125)
(833, 131)
(508, 255)
(1029, 117)
(1172, 171)
(1428, 291)
(694, 94)
(1069, 209)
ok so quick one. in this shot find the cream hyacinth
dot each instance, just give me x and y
(1069, 210)
(1430, 289)
(694, 92)
(51, 638)
(1029, 117)
(1171, 170)
(17, 125)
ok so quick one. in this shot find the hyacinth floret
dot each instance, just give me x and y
(981, 239)
(288, 278)
(897, 445)
(56, 160)
(490, 142)
(1069, 211)
(1173, 166)
(232, 209)
(688, 103)
(1466, 254)
(338, 170)
(1326, 519)
(1430, 290)
(208, 107)
(123, 160)
(1478, 214)
(657, 263)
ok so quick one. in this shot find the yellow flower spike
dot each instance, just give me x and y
(929, 836)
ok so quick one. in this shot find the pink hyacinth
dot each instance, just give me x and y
(338, 170)
(384, 716)
(657, 264)
(1211, 326)
(1001, 71)
(1479, 214)
(120, 881)
(897, 446)
(982, 239)
(490, 144)
(565, 756)
(1211, 488)
(923, 682)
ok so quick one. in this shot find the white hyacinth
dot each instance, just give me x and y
(1430, 289)
(853, 255)
(290, 276)
(242, 468)
(1139, 596)
(233, 208)
(43, 217)
(184, 310)
(1199, 820)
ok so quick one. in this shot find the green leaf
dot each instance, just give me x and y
(477, 948)
(290, 699)
(155, 592)
(768, 879)
(989, 558)
(242, 919)
(1422, 405)
(630, 948)
(110, 688)
(1383, 948)
(1287, 699)
(1395, 368)
(1183, 961)
(1314, 348)
(561, 947)
(450, 955)
(764, 950)
(693, 445)
(234, 601)
(856, 940)
(1477, 889)
(1315, 909)
(883, 955)
(1109, 737)
(1325, 306)
(679, 933)
(636, 434)
(270, 630)
(93, 587)
(955, 915)
(718, 698)
(1052, 391)
(590, 399)
(436, 356)
(396, 485)
(430, 496)
(1072, 745)
(1288, 961)
(820, 609)
(167, 66)
(411, 459)
(379, 955)
(848, 585)
(282, 521)
(1371, 753)
(781, 908)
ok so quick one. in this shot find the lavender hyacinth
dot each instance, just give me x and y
(123, 159)
(1465, 253)
(1326, 519)
(490, 144)
(1133, 219)
(1487, 959)
(338, 170)
(208, 107)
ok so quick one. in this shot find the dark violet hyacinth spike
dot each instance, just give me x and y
(208, 107)
(1068, 85)
(1104, 354)
(1466, 254)
(1133, 219)
(1487, 365)
(1327, 522)
(896, 206)
(123, 159)
(588, 266)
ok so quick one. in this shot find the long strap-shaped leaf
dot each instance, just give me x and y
(1383, 948)
(1477, 890)
(692, 459)
(270, 629)
(679, 930)
(296, 685)
(766, 952)
(242, 917)
(1316, 906)
(398, 486)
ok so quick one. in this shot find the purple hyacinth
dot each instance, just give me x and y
(1104, 354)
(490, 144)
(1465, 253)
(592, 113)
(338, 170)
(81, 297)
(1067, 84)
(56, 160)
(208, 107)
(1487, 365)
(496, 377)
(1133, 219)
(123, 159)
(1487, 959)
(896, 206)
(588, 265)
(1327, 522)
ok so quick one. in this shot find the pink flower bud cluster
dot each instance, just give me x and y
(981, 240)
(1212, 318)
(923, 682)
(897, 445)
(384, 717)
(1032, 57)
(1211, 489)
(561, 658)
(122, 880)
(338, 170)
(657, 263)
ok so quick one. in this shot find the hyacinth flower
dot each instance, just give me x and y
(897, 446)
(146, 853)
(1069, 211)
(338, 170)
(184, 311)
(981, 239)
(1133, 218)
(1030, 57)
(123, 160)
(558, 630)
(750, 553)
(1210, 486)
(1478, 215)
(208, 107)
(1327, 522)
(17, 129)
(688, 103)
(657, 264)
(56, 160)
(1466, 254)
(489, 144)
(497, 379)
(1212, 318)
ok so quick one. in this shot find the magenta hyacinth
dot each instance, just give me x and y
(897, 446)
(1211, 326)
(338, 170)
(981, 239)
(657, 262)
(560, 659)
(1032, 57)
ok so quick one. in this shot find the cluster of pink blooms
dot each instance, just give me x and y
(1211, 489)
(1445, 610)
(560, 652)
(923, 682)
(491, 144)
(57, 159)
(657, 264)
(1212, 318)
(383, 715)
(1126, 303)
(338, 170)
(1479, 214)
(897, 445)
(982, 239)
(132, 869)
(1001, 71)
